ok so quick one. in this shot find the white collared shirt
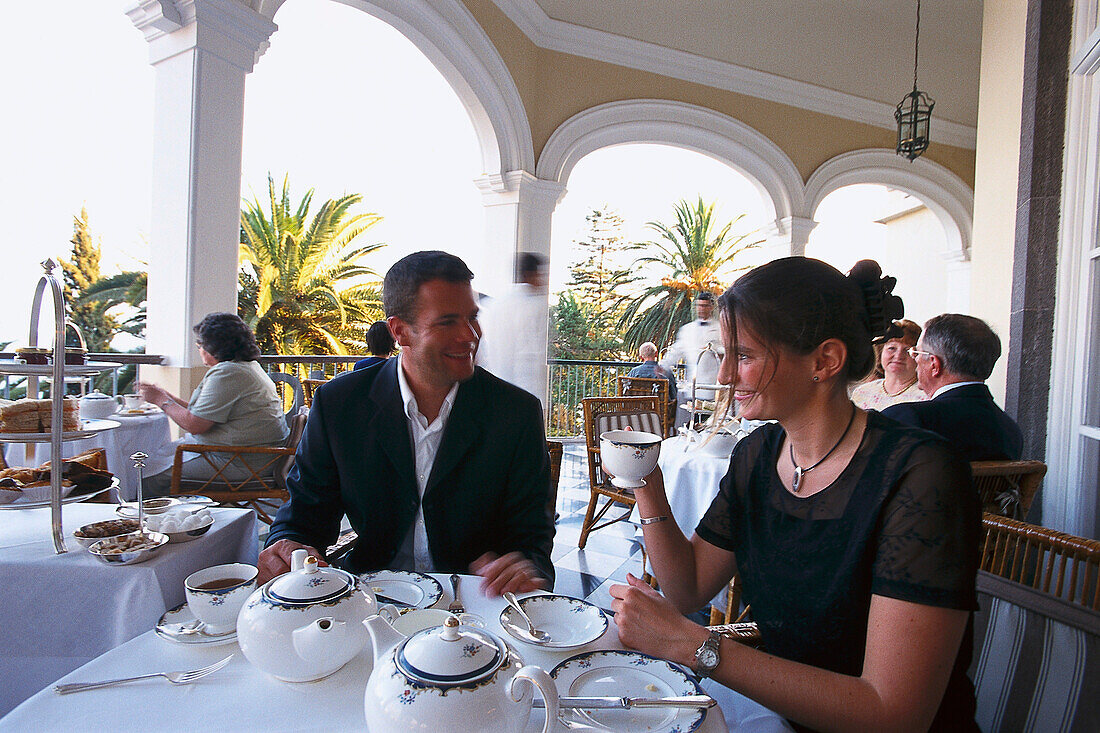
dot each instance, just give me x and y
(949, 387)
(691, 339)
(425, 444)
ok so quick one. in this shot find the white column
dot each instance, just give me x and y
(201, 50)
(787, 237)
(518, 212)
(956, 288)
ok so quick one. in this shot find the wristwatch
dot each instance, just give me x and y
(706, 656)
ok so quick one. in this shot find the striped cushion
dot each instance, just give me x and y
(1037, 661)
(649, 422)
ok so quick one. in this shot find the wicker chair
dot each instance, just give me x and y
(1007, 487)
(1060, 564)
(258, 488)
(600, 415)
(308, 387)
(1037, 633)
(645, 386)
(556, 450)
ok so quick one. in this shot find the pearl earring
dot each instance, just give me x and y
(817, 379)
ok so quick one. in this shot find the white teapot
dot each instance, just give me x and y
(96, 406)
(308, 623)
(451, 678)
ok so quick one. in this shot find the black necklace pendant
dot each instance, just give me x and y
(797, 483)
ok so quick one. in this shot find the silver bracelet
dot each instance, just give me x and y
(652, 520)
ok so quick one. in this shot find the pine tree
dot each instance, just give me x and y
(595, 284)
(79, 273)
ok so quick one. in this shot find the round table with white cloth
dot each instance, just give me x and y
(691, 477)
(60, 611)
(241, 697)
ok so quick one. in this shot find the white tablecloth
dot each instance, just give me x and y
(691, 480)
(59, 611)
(241, 698)
(149, 434)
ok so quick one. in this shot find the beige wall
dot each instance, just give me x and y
(555, 86)
(996, 170)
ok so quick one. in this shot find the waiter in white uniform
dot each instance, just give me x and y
(691, 340)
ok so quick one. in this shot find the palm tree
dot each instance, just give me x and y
(696, 256)
(130, 287)
(303, 287)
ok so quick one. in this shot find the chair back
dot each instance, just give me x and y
(309, 386)
(658, 387)
(298, 395)
(1007, 487)
(1037, 633)
(1053, 562)
(616, 413)
(297, 428)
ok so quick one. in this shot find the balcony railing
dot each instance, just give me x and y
(569, 380)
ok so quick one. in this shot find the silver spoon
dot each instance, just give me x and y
(536, 634)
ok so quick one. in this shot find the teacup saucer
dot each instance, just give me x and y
(180, 626)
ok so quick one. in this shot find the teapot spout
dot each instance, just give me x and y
(383, 636)
(320, 640)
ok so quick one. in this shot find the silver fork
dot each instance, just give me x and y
(176, 678)
(456, 605)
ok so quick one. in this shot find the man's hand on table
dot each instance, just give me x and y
(510, 572)
(275, 560)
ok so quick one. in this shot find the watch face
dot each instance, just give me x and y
(708, 658)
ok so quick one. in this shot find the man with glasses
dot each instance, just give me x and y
(955, 354)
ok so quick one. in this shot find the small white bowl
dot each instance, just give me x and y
(186, 535)
(720, 444)
(128, 557)
(629, 456)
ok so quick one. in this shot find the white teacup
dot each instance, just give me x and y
(215, 595)
(132, 401)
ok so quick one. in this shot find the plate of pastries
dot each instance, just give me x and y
(83, 476)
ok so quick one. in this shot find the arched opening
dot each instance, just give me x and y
(901, 233)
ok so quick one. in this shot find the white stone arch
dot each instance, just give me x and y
(683, 125)
(943, 192)
(446, 32)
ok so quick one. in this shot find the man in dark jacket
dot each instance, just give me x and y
(439, 465)
(955, 355)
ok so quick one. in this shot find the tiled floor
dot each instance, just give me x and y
(609, 554)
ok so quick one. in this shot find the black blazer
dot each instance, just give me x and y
(972, 423)
(488, 491)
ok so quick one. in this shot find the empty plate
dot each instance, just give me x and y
(404, 586)
(618, 673)
(569, 622)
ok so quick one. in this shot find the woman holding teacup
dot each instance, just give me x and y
(856, 538)
(234, 404)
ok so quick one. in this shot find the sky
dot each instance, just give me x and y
(323, 105)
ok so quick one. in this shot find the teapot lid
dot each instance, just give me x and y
(308, 583)
(97, 395)
(450, 655)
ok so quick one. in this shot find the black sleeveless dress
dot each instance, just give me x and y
(901, 521)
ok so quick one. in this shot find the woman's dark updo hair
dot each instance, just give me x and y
(227, 338)
(798, 302)
(379, 339)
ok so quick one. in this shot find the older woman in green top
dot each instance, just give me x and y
(234, 404)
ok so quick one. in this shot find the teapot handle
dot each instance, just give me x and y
(537, 677)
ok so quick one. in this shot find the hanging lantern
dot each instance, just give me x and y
(913, 115)
(914, 112)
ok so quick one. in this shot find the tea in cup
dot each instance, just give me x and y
(215, 595)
